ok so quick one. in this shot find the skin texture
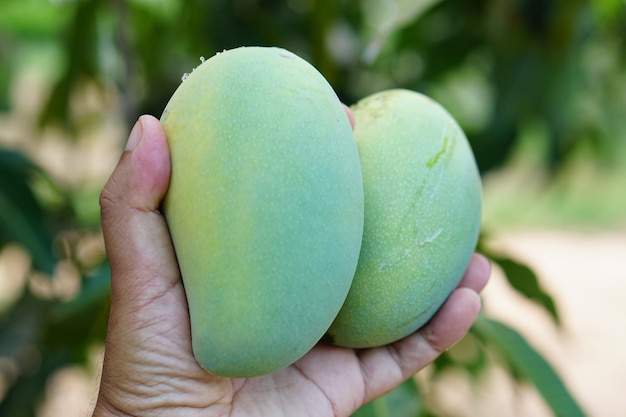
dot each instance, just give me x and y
(149, 368)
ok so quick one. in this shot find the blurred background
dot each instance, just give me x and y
(539, 86)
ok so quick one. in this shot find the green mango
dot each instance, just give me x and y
(423, 199)
(265, 207)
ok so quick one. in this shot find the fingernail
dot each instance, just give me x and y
(135, 136)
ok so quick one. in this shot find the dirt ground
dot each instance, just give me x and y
(585, 271)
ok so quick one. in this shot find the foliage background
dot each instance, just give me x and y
(536, 83)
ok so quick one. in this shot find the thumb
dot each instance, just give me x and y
(137, 240)
(148, 337)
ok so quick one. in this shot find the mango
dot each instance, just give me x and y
(265, 207)
(422, 216)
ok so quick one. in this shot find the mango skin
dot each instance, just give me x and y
(423, 198)
(265, 207)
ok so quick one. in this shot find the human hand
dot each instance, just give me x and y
(149, 368)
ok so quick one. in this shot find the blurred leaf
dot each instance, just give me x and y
(525, 281)
(81, 44)
(22, 219)
(384, 17)
(521, 278)
(445, 36)
(403, 401)
(162, 9)
(5, 79)
(529, 363)
(32, 17)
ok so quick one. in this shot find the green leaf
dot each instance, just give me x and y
(403, 401)
(33, 17)
(384, 17)
(21, 215)
(521, 277)
(525, 281)
(81, 48)
(529, 363)
(5, 80)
